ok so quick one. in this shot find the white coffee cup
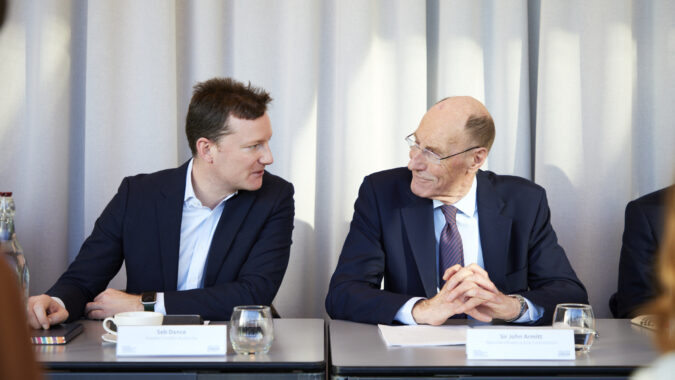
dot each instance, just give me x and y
(133, 318)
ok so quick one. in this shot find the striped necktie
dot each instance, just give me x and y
(450, 245)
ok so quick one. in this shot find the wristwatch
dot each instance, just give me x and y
(523, 307)
(149, 299)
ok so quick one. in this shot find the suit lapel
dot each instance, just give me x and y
(169, 209)
(236, 210)
(495, 230)
(419, 224)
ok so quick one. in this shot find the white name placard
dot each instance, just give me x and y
(172, 340)
(520, 344)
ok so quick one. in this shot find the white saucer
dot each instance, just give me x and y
(109, 338)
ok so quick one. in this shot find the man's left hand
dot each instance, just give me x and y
(473, 282)
(112, 301)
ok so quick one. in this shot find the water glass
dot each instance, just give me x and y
(251, 329)
(580, 318)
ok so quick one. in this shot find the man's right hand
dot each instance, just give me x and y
(43, 311)
(436, 310)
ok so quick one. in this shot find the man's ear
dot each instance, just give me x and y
(205, 149)
(478, 158)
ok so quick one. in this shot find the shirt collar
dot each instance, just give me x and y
(190, 198)
(467, 205)
(189, 190)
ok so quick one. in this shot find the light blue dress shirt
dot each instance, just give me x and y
(197, 227)
(467, 225)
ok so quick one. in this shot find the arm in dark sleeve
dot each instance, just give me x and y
(259, 277)
(551, 279)
(98, 261)
(354, 292)
(636, 263)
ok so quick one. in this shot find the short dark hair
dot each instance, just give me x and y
(3, 10)
(214, 100)
(481, 128)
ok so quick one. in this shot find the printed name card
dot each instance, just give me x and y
(172, 340)
(520, 344)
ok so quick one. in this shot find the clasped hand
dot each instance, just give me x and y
(466, 290)
(110, 302)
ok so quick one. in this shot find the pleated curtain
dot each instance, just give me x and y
(581, 93)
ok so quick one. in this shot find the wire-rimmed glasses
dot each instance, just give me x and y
(429, 155)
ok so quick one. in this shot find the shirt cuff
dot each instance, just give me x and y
(404, 314)
(60, 302)
(532, 314)
(159, 305)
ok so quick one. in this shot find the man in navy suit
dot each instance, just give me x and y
(642, 233)
(198, 239)
(449, 239)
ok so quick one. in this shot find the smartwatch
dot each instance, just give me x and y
(149, 299)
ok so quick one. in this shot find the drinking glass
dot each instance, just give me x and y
(580, 318)
(251, 329)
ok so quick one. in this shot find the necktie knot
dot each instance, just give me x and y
(450, 213)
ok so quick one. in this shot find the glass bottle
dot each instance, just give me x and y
(10, 248)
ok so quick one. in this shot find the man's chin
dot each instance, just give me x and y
(253, 185)
(419, 190)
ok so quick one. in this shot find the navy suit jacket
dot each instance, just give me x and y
(642, 233)
(140, 227)
(392, 237)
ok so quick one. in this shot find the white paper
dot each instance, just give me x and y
(172, 340)
(520, 344)
(423, 335)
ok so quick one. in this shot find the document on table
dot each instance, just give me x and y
(423, 335)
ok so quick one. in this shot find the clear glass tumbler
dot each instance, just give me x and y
(251, 329)
(580, 318)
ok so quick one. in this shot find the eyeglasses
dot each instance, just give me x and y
(429, 155)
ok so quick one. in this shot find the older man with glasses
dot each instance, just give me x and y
(449, 239)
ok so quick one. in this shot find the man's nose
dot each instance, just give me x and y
(417, 161)
(267, 158)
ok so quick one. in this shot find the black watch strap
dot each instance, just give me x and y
(149, 299)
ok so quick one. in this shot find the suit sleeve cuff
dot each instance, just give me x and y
(404, 314)
(159, 305)
(533, 313)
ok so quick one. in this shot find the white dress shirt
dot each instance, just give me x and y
(467, 225)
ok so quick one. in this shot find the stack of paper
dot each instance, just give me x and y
(423, 335)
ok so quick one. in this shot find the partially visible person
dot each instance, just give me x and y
(3, 11)
(202, 238)
(17, 360)
(663, 306)
(643, 230)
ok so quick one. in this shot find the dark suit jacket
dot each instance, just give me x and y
(641, 236)
(141, 227)
(392, 237)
